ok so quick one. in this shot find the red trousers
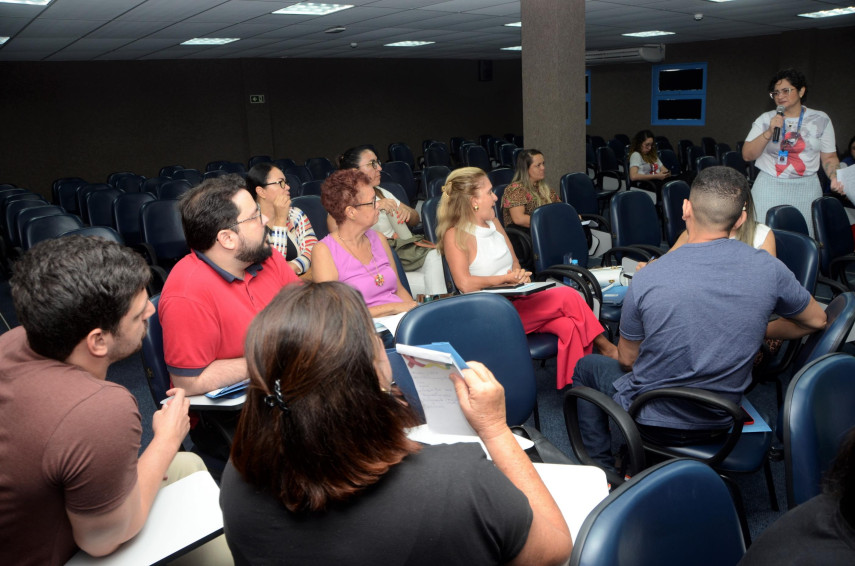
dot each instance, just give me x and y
(563, 312)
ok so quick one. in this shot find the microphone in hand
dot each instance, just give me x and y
(776, 133)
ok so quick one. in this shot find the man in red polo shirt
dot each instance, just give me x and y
(213, 293)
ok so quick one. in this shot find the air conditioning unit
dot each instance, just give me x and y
(654, 53)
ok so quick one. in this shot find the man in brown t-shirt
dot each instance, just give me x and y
(69, 440)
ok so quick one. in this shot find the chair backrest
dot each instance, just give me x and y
(506, 154)
(800, 253)
(708, 145)
(733, 159)
(622, 138)
(319, 167)
(256, 159)
(82, 194)
(786, 217)
(114, 178)
(500, 176)
(169, 170)
(173, 189)
(434, 172)
(670, 161)
(300, 171)
(233, 167)
(402, 275)
(24, 215)
(152, 184)
(153, 361)
(693, 153)
(99, 207)
(130, 183)
(705, 161)
(619, 148)
(662, 143)
(57, 184)
(485, 328)
(96, 231)
(606, 159)
(13, 209)
(678, 512)
(402, 152)
(402, 173)
(126, 214)
(312, 187)
(555, 231)
(160, 223)
(817, 415)
(840, 316)
(720, 150)
(577, 190)
(683, 152)
(832, 230)
(46, 227)
(673, 195)
(429, 209)
(598, 142)
(192, 176)
(634, 220)
(437, 155)
(67, 194)
(284, 163)
(476, 156)
(311, 205)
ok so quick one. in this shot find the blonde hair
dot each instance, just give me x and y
(539, 189)
(455, 208)
(745, 233)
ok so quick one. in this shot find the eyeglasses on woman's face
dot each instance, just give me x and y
(372, 203)
(374, 163)
(785, 91)
(281, 182)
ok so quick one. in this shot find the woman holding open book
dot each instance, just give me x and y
(480, 255)
(322, 470)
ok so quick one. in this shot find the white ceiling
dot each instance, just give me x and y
(100, 30)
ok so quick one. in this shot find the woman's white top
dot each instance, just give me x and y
(760, 233)
(493, 256)
(387, 224)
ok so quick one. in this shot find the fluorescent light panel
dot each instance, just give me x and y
(3, 40)
(210, 40)
(514, 48)
(830, 13)
(514, 25)
(313, 9)
(653, 33)
(408, 43)
(30, 2)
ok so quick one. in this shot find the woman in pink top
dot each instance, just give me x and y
(355, 254)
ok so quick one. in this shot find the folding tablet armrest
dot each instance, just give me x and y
(838, 268)
(635, 252)
(635, 447)
(602, 223)
(702, 397)
(565, 271)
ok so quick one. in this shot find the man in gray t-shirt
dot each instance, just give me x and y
(696, 317)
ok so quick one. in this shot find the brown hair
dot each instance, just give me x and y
(339, 191)
(335, 432)
(455, 208)
(539, 190)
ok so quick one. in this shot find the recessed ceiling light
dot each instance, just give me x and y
(514, 48)
(3, 40)
(313, 9)
(210, 40)
(408, 43)
(335, 29)
(31, 2)
(514, 25)
(830, 13)
(653, 33)
(719, 1)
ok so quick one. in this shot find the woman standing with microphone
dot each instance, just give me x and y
(789, 145)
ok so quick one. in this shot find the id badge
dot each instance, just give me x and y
(782, 157)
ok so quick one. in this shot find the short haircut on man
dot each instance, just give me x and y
(718, 196)
(64, 288)
(208, 208)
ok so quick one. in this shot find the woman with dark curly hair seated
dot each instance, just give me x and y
(322, 471)
(355, 254)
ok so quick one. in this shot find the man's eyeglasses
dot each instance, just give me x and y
(785, 91)
(281, 182)
(253, 217)
(371, 203)
(374, 163)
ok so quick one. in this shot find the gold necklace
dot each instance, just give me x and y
(378, 277)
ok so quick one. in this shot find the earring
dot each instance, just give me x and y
(475, 207)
